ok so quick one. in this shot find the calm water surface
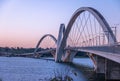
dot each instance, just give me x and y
(29, 69)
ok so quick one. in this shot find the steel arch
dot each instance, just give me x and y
(105, 26)
(39, 42)
(101, 20)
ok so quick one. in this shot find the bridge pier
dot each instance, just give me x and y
(107, 70)
(72, 55)
(100, 70)
(58, 55)
(59, 49)
(112, 71)
(68, 57)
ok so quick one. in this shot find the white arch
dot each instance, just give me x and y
(105, 26)
(39, 42)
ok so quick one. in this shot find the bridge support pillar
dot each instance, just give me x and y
(100, 70)
(107, 70)
(112, 71)
(68, 57)
(59, 49)
(58, 56)
(73, 53)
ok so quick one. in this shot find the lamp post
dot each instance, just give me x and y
(115, 30)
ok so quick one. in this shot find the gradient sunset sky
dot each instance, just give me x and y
(24, 22)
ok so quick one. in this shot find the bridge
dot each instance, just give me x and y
(89, 32)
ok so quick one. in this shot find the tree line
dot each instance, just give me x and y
(6, 51)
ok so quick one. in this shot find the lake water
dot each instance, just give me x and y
(30, 69)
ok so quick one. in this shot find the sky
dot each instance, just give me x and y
(24, 22)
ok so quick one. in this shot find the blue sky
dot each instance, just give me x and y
(23, 22)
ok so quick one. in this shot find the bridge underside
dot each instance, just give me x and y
(106, 69)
